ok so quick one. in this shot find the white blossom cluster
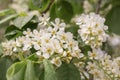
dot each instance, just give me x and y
(92, 29)
(102, 67)
(51, 43)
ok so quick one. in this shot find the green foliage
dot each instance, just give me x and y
(49, 73)
(23, 70)
(115, 2)
(40, 5)
(63, 10)
(33, 57)
(113, 20)
(6, 12)
(16, 71)
(1, 50)
(73, 29)
(30, 71)
(22, 21)
(77, 6)
(31, 24)
(44, 5)
(12, 32)
(8, 18)
(34, 4)
(4, 65)
(39, 70)
(53, 14)
(68, 72)
(19, 25)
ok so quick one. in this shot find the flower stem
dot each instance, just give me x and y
(98, 6)
(20, 55)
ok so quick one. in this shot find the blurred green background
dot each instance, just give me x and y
(3, 5)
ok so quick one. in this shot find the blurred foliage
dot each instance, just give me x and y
(71, 73)
(4, 65)
(113, 20)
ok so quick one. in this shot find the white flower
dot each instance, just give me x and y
(96, 74)
(27, 45)
(103, 66)
(56, 61)
(51, 43)
(37, 45)
(7, 48)
(96, 54)
(53, 31)
(48, 48)
(44, 20)
(57, 46)
(46, 55)
(92, 29)
(20, 41)
(57, 24)
(27, 33)
(91, 66)
(39, 53)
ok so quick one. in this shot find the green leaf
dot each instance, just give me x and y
(35, 4)
(1, 49)
(41, 5)
(4, 65)
(16, 71)
(31, 25)
(115, 2)
(68, 72)
(12, 32)
(45, 5)
(30, 71)
(22, 21)
(33, 57)
(8, 18)
(77, 6)
(113, 20)
(53, 14)
(73, 29)
(39, 70)
(64, 10)
(6, 12)
(49, 73)
(41, 77)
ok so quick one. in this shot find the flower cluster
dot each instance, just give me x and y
(51, 43)
(102, 67)
(92, 29)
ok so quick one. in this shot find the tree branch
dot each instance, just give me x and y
(98, 6)
(48, 7)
